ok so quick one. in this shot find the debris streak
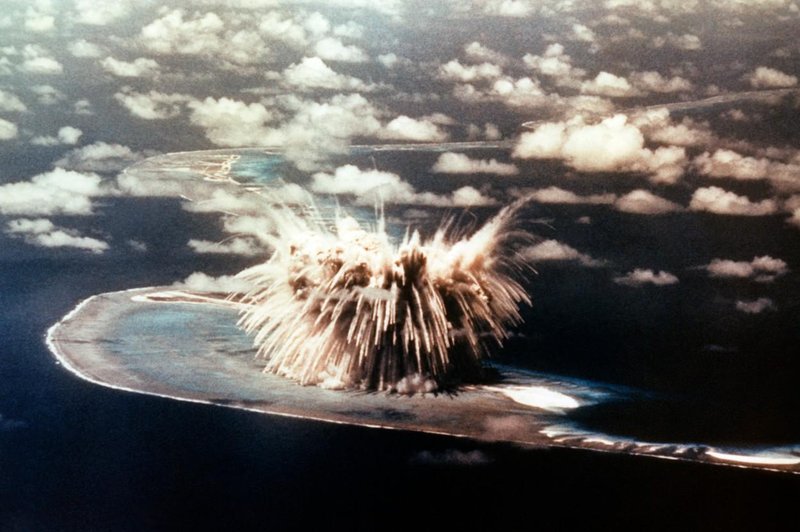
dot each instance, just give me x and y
(342, 306)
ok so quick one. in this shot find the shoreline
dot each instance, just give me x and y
(84, 343)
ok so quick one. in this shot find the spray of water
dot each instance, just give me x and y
(342, 306)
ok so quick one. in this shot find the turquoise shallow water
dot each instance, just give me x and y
(196, 352)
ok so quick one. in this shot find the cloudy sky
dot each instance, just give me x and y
(656, 139)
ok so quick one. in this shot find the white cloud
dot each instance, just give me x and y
(66, 135)
(43, 233)
(644, 202)
(201, 282)
(103, 12)
(138, 68)
(204, 35)
(762, 269)
(10, 103)
(687, 41)
(640, 277)
(85, 49)
(657, 126)
(317, 129)
(391, 60)
(230, 122)
(371, 186)
(460, 163)
(651, 81)
(100, 157)
(275, 27)
(406, 128)
(232, 246)
(555, 63)
(8, 130)
(37, 60)
(47, 94)
(455, 71)
(69, 135)
(332, 49)
(582, 33)
(612, 145)
(56, 192)
(478, 52)
(313, 73)
(607, 84)
(755, 307)
(152, 105)
(560, 196)
(719, 201)
(727, 163)
(765, 77)
(507, 8)
(39, 22)
(233, 201)
(794, 219)
(552, 250)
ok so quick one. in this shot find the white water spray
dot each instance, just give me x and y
(344, 307)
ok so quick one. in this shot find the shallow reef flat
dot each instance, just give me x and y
(187, 346)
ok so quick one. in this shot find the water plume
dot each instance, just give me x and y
(341, 306)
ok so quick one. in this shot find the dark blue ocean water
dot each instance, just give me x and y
(76, 456)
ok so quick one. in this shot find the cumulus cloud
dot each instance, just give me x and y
(651, 81)
(719, 201)
(66, 135)
(232, 246)
(8, 130)
(317, 129)
(313, 73)
(39, 22)
(728, 163)
(607, 84)
(657, 126)
(560, 196)
(84, 49)
(475, 51)
(101, 157)
(10, 103)
(202, 282)
(641, 277)
(228, 122)
(332, 49)
(770, 78)
(37, 60)
(460, 163)
(102, 12)
(56, 192)
(455, 71)
(756, 306)
(507, 8)
(151, 105)
(762, 269)
(644, 202)
(582, 33)
(370, 186)
(205, 35)
(555, 63)
(553, 250)
(47, 94)
(687, 41)
(612, 145)
(43, 233)
(406, 128)
(138, 68)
